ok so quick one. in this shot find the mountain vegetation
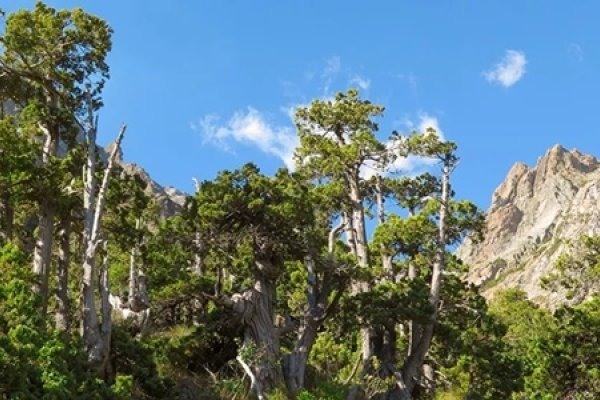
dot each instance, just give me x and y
(336, 280)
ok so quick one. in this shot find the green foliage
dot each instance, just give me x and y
(323, 392)
(338, 136)
(34, 362)
(244, 205)
(243, 225)
(566, 363)
(578, 270)
(559, 352)
(471, 347)
(393, 302)
(134, 360)
(332, 357)
(123, 386)
(74, 45)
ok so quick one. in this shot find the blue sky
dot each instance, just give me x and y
(208, 85)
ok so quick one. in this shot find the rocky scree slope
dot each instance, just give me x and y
(533, 215)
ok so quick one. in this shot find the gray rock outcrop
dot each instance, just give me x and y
(533, 215)
(169, 199)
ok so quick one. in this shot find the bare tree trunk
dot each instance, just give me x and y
(350, 236)
(296, 361)
(138, 290)
(262, 333)
(414, 328)
(90, 329)
(43, 247)
(94, 337)
(254, 383)
(62, 315)
(198, 269)
(132, 278)
(360, 242)
(105, 308)
(386, 259)
(198, 266)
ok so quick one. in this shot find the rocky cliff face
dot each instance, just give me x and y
(533, 214)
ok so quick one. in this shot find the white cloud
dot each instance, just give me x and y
(333, 66)
(411, 165)
(250, 127)
(575, 52)
(411, 80)
(361, 82)
(509, 70)
(427, 121)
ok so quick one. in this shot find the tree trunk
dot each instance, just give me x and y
(294, 366)
(8, 215)
(95, 338)
(386, 259)
(414, 328)
(138, 290)
(132, 278)
(62, 315)
(43, 246)
(295, 362)
(198, 267)
(319, 303)
(43, 253)
(358, 228)
(407, 380)
(260, 331)
(105, 308)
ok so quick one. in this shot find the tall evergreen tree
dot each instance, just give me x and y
(53, 62)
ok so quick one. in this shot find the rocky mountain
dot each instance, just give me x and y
(533, 215)
(170, 200)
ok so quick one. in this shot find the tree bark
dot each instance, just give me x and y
(357, 226)
(131, 294)
(62, 315)
(43, 246)
(198, 267)
(94, 338)
(138, 291)
(260, 330)
(386, 259)
(106, 308)
(414, 328)
(296, 361)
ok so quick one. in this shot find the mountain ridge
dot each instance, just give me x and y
(170, 200)
(533, 215)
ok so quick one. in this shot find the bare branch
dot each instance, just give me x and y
(255, 384)
(102, 192)
(333, 236)
(354, 369)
